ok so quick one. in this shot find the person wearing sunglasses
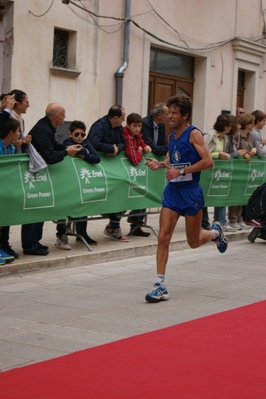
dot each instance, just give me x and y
(77, 135)
(239, 112)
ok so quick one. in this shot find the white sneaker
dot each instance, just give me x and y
(226, 227)
(235, 226)
(62, 242)
(244, 226)
(115, 234)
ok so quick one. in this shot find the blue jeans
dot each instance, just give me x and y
(115, 219)
(220, 214)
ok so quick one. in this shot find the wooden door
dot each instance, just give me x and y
(240, 97)
(163, 86)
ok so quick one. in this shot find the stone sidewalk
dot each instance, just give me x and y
(107, 250)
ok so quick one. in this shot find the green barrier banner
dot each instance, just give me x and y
(231, 182)
(76, 188)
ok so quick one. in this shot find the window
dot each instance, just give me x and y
(61, 39)
(171, 63)
(64, 53)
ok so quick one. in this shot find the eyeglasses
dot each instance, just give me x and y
(242, 112)
(79, 134)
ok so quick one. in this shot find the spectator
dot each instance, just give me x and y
(8, 134)
(260, 119)
(216, 140)
(20, 107)
(77, 133)
(43, 139)
(259, 123)
(7, 104)
(235, 212)
(106, 135)
(135, 146)
(153, 131)
(244, 138)
(21, 104)
(239, 112)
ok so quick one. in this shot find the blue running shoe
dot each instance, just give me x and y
(5, 256)
(158, 294)
(221, 240)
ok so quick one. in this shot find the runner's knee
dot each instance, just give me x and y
(193, 243)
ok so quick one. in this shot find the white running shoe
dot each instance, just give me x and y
(235, 226)
(62, 242)
(115, 234)
(228, 228)
(244, 226)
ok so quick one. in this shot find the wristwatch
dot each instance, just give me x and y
(182, 172)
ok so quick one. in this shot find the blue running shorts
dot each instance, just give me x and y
(185, 200)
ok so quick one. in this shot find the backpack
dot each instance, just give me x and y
(256, 207)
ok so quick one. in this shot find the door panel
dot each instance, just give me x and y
(240, 97)
(162, 86)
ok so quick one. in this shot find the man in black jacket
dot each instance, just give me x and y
(43, 139)
(106, 135)
(153, 129)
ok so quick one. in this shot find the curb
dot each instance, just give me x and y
(98, 257)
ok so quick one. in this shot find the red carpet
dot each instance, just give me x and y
(221, 356)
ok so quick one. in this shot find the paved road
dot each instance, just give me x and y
(49, 313)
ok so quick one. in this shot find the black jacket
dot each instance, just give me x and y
(147, 130)
(43, 139)
(89, 153)
(102, 136)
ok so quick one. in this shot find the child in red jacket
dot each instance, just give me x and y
(134, 142)
(135, 146)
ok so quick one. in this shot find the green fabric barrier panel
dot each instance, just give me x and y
(231, 182)
(76, 188)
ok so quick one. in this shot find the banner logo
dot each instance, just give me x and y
(221, 179)
(37, 187)
(256, 175)
(92, 181)
(85, 174)
(138, 178)
(220, 174)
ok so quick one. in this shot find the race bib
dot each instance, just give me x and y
(181, 179)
